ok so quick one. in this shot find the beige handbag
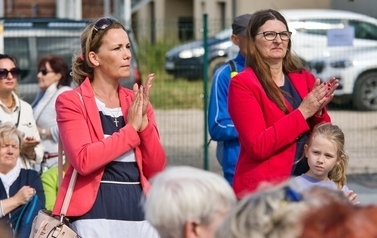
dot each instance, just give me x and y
(47, 226)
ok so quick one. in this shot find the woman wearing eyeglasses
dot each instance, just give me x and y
(19, 112)
(111, 137)
(274, 103)
(53, 79)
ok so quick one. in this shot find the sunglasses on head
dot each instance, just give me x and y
(45, 71)
(16, 72)
(102, 24)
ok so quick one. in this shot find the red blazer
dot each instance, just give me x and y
(267, 135)
(84, 143)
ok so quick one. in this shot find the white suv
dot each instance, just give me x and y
(356, 70)
(355, 66)
(309, 30)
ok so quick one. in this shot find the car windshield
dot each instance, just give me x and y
(224, 34)
(316, 26)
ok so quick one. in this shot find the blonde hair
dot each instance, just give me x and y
(334, 134)
(8, 132)
(91, 40)
(272, 213)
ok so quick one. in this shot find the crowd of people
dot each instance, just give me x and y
(284, 162)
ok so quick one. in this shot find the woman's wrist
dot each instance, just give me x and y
(319, 113)
(144, 123)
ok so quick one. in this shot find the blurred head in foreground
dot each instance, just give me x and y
(272, 213)
(340, 220)
(186, 202)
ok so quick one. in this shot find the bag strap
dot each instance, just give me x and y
(233, 68)
(72, 181)
(60, 162)
(19, 113)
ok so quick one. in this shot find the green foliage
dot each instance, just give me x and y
(151, 56)
(167, 92)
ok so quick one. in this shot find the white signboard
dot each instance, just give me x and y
(340, 37)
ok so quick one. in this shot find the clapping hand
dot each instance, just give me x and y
(146, 92)
(318, 98)
(141, 96)
(135, 112)
(332, 84)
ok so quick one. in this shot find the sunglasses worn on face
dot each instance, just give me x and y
(45, 71)
(16, 72)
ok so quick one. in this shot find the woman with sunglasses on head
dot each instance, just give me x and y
(53, 79)
(15, 110)
(118, 148)
(274, 104)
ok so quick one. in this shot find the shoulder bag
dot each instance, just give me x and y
(45, 225)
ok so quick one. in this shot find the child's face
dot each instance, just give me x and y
(322, 157)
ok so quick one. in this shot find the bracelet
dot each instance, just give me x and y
(43, 134)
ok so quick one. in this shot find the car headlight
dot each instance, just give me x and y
(342, 64)
(186, 54)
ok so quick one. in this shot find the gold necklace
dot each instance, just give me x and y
(13, 103)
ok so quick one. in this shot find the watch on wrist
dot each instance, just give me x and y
(43, 133)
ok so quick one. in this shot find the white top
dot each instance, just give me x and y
(303, 182)
(45, 115)
(26, 125)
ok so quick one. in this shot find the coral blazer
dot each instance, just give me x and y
(267, 135)
(89, 152)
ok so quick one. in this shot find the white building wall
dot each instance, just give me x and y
(167, 13)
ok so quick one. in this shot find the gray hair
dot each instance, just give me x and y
(182, 193)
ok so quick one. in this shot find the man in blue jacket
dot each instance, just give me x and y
(221, 127)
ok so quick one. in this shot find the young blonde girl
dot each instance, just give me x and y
(327, 160)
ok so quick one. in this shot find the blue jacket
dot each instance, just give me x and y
(220, 125)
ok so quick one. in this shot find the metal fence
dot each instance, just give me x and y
(179, 90)
(325, 52)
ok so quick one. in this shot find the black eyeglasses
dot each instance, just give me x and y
(271, 35)
(45, 71)
(16, 72)
(102, 24)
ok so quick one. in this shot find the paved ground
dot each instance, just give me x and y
(182, 136)
(365, 185)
